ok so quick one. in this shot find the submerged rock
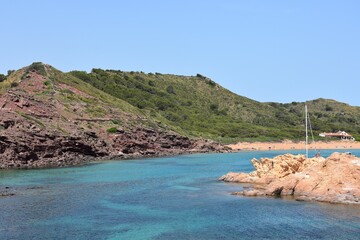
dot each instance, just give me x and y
(6, 192)
(335, 179)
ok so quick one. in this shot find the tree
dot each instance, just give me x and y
(2, 77)
(200, 76)
(328, 108)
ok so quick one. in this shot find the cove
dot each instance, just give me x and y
(164, 198)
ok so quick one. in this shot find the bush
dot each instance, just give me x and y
(152, 83)
(140, 104)
(163, 104)
(200, 76)
(66, 91)
(82, 75)
(2, 77)
(214, 107)
(173, 117)
(211, 83)
(14, 84)
(328, 108)
(116, 121)
(139, 78)
(112, 130)
(170, 89)
(187, 103)
(37, 67)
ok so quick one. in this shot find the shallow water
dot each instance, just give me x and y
(164, 198)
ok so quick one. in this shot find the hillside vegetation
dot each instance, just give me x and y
(199, 107)
(193, 106)
(53, 119)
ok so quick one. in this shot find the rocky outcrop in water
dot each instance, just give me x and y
(335, 179)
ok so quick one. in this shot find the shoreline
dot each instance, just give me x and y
(87, 160)
(305, 179)
(241, 146)
(290, 145)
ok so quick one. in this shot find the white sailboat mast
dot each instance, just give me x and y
(306, 127)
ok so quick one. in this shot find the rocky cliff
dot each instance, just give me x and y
(335, 179)
(49, 120)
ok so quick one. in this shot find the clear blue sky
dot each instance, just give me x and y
(266, 50)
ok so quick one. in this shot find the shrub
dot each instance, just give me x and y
(328, 108)
(37, 67)
(82, 75)
(214, 107)
(14, 84)
(2, 77)
(140, 104)
(116, 121)
(139, 78)
(67, 91)
(211, 83)
(200, 76)
(112, 130)
(152, 83)
(163, 104)
(170, 89)
(173, 117)
(187, 103)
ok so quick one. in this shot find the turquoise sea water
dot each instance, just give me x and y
(164, 198)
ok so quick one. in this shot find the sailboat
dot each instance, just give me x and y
(307, 126)
(306, 132)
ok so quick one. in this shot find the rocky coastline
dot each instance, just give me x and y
(40, 149)
(45, 123)
(335, 179)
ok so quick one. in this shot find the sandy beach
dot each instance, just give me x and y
(290, 145)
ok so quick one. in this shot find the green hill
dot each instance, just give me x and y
(326, 115)
(194, 106)
(197, 106)
(74, 98)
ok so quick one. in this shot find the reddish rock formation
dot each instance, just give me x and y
(21, 148)
(335, 179)
(45, 123)
(23, 144)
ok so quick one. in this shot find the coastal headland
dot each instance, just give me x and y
(50, 118)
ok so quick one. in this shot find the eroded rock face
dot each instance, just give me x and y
(335, 179)
(42, 124)
(23, 146)
(33, 150)
(25, 143)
